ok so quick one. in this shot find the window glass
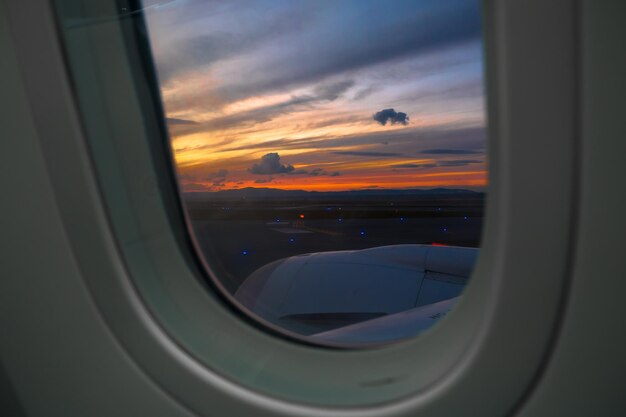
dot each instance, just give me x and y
(331, 156)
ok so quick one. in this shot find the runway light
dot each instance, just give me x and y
(301, 216)
(292, 240)
(362, 233)
(245, 252)
(401, 219)
(465, 218)
(445, 229)
(340, 220)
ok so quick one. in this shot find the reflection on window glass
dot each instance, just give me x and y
(331, 155)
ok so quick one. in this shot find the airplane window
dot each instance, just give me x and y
(331, 156)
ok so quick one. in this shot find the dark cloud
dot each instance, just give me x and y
(192, 186)
(459, 162)
(203, 50)
(292, 44)
(391, 116)
(414, 166)
(367, 153)
(270, 164)
(222, 173)
(174, 121)
(316, 172)
(264, 181)
(186, 177)
(218, 177)
(450, 151)
(450, 163)
(331, 49)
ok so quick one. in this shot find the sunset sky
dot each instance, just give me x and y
(322, 95)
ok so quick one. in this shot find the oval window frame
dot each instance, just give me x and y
(157, 326)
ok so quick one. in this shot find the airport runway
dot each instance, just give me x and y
(236, 245)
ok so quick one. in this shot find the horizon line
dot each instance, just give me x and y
(472, 189)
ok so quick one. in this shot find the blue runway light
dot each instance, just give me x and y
(362, 233)
(339, 220)
(245, 252)
(292, 240)
(465, 218)
(401, 219)
(445, 229)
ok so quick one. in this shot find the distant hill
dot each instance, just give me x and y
(251, 193)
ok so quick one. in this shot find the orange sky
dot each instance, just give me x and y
(203, 156)
(297, 112)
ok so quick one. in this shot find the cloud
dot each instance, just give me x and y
(191, 148)
(205, 34)
(270, 164)
(174, 121)
(264, 181)
(450, 151)
(452, 90)
(361, 94)
(218, 177)
(403, 140)
(391, 116)
(333, 91)
(323, 93)
(239, 49)
(316, 172)
(414, 166)
(450, 163)
(345, 38)
(222, 173)
(367, 153)
(459, 162)
(192, 186)
(334, 121)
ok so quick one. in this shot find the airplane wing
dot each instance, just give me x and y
(356, 296)
(389, 328)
